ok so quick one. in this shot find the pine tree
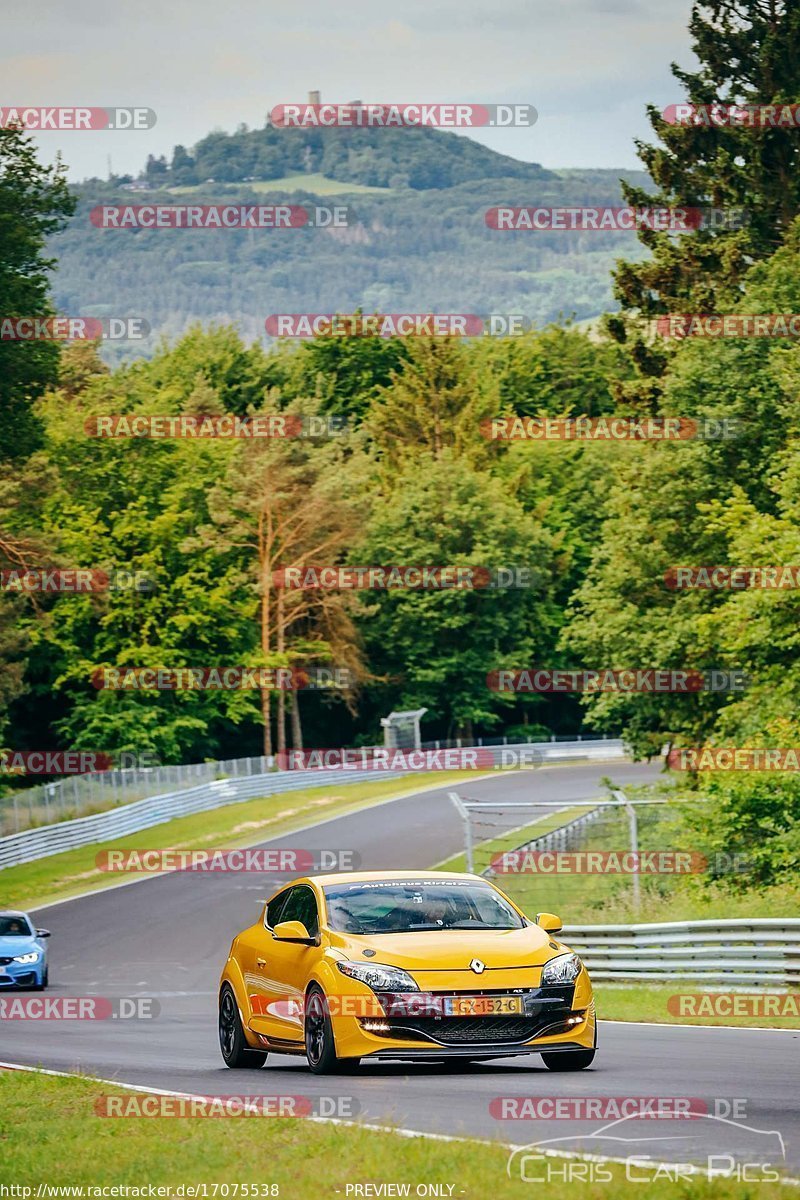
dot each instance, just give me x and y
(34, 203)
(749, 54)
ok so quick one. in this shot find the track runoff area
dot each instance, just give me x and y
(164, 939)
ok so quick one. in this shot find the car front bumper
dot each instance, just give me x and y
(554, 1019)
(22, 975)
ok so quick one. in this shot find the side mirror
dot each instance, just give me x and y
(43, 933)
(292, 931)
(549, 922)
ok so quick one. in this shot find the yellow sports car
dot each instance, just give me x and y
(403, 965)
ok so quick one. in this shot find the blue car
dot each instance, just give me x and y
(23, 954)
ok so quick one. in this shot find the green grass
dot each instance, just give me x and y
(649, 1002)
(314, 182)
(248, 823)
(49, 1132)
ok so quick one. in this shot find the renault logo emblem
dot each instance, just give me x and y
(477, 966)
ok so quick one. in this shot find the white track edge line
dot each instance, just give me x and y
(399, 1131)
(678, 1025)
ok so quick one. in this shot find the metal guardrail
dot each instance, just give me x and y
(761, 952)
(85, 795)
(155, 810)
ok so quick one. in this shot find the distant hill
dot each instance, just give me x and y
(411, 157)
(417, 242)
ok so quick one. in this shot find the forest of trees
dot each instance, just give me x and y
(416, 158)
(405, 251)
(414, 481)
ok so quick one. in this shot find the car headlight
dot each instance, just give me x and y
(564, 968)
(28, 958)
(379, 977)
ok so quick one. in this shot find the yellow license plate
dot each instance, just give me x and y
(482, 1006)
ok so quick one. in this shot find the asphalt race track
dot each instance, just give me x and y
(167, 937)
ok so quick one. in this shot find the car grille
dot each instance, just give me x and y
(461, 1031)
(470, 1030)
(5, 961)
(547, 1011)
(26, 980)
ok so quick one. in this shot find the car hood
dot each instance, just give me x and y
(18, 945)
(451, 949)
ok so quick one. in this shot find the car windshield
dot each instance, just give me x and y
(12, 926)
(400, 907)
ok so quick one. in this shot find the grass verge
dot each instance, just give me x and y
(245, 824)
(50, 1133)
(649, 1002)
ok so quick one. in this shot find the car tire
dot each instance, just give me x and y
(571, 1060)
(318, 1037)
(233, 1047)
(39, 987)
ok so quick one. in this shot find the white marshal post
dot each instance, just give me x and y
(633, 828)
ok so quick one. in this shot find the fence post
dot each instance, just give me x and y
(633, 828)
(464, 812)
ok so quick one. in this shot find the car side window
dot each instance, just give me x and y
(275, 908)
(302, 906)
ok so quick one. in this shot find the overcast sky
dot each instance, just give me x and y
(588, 66)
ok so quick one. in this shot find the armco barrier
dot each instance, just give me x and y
(155, 810)
(734, 952)
(84, 795)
